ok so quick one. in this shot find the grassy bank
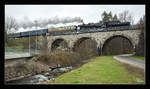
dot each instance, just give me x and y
(14, 49)
(138, 58)
(101, 70)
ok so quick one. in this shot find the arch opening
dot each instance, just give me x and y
(117, 45)
(86, 47)
(59, 44)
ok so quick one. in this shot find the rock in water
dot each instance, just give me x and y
(70, 67)
(62, 70)
(55, 71)
(50, 77)
(40, 77)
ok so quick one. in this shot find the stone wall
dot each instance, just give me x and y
(140, 48)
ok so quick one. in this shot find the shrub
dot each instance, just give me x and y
(62, 58)
(85, 50)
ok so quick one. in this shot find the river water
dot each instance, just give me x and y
(31, 79)
(41, 77)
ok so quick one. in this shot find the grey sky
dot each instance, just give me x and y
(89, 13)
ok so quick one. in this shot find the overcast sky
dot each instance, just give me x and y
(89, 13)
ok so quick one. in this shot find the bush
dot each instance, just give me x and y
(62, 58)
(26, 68)
(69, 58)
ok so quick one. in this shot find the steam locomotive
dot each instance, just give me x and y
(90, 27)
(104, 24)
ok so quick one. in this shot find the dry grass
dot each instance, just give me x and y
(134, 70)
(26, 68)
(62, 58)
(83, 51)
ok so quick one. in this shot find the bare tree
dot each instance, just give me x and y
(141, 47)
(142, 25)
(10, 26)
(125, 16)
(130, 18)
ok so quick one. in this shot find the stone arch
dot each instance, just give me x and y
(85, 43)
(80, 40)
(59, 43)
(128, 42)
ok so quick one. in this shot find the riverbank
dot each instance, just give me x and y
(44, 78)
(101, 70)
(97, 70)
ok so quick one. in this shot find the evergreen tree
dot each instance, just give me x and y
(105, 16)
(110, 16)
(115, 18)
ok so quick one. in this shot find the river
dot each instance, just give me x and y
(41, 77)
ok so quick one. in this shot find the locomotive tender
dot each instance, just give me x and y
(90, 27)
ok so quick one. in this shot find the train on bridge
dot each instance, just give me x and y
(84, 28)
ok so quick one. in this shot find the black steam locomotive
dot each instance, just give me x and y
(104, 24)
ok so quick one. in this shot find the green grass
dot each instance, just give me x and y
(139, 57)
(14, 49)
(101, 70)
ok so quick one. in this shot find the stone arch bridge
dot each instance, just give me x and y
(101, 37)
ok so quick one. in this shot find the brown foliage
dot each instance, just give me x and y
(85, 50)
(62, 58)
(134, 70)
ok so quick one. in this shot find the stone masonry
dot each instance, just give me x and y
(99, 37)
